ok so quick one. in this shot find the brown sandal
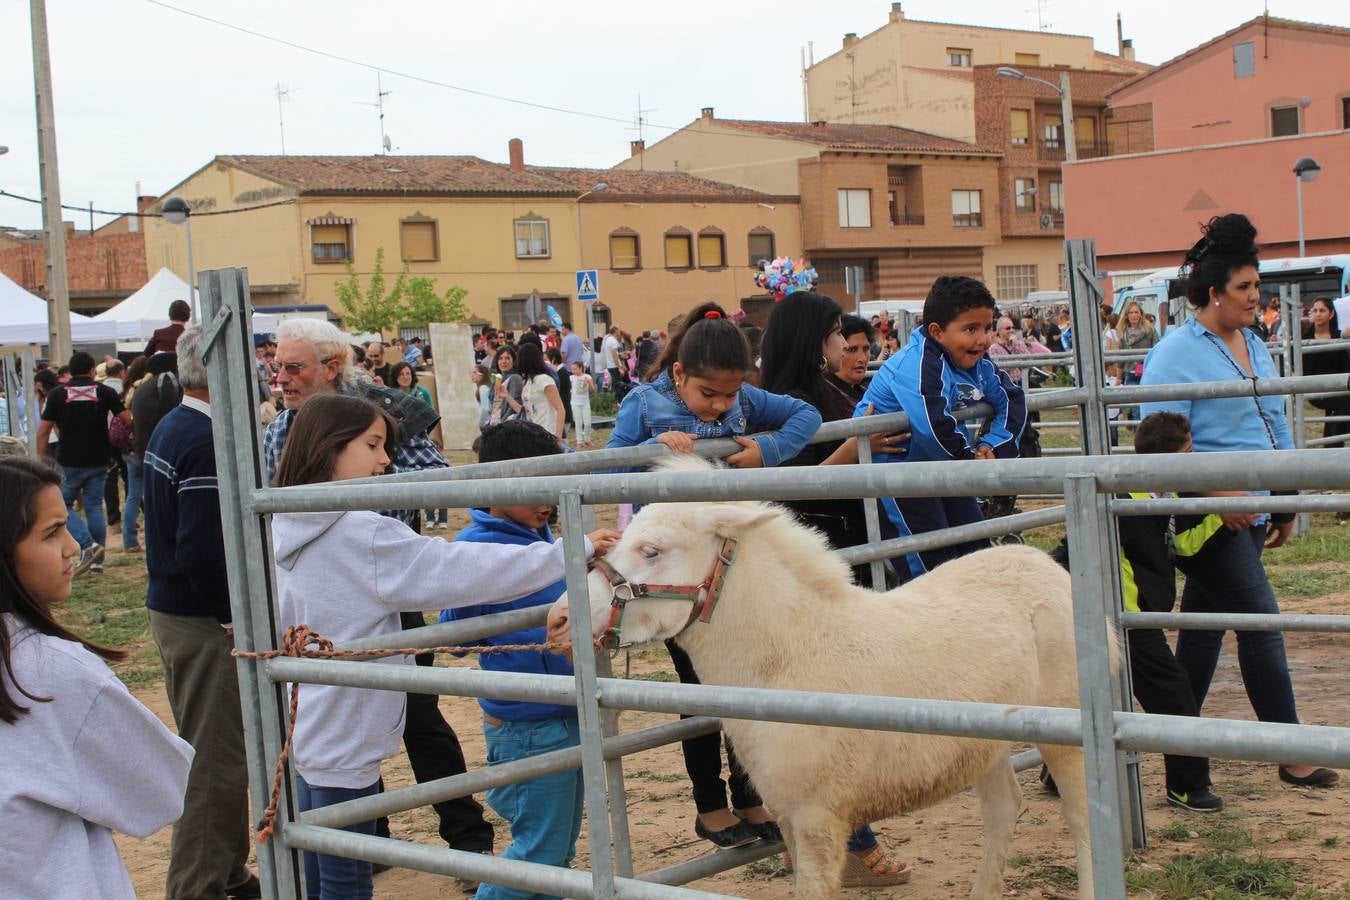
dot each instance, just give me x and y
(877, 869)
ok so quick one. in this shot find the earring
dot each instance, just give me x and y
(824, 363)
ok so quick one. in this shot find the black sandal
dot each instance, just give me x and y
(737, 835)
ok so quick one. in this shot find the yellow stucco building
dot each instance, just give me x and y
(504, 232)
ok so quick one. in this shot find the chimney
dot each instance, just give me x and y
(1127, 50)
(897, 12)
(850, 39)
(1120, 37)
(635, 148)
(517, 149)
(707, 112)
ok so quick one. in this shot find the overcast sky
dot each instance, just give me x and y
(148, 94)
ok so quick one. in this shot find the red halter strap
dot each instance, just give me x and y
(703, 596)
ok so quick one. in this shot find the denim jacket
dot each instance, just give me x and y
(649, 409)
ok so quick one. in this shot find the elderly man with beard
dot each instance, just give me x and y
(313, 357)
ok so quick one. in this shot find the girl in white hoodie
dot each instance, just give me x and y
(348, 575)
(81, 757)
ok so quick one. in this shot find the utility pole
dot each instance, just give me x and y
(53, 229)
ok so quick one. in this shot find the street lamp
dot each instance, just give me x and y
(581, 255)
(176, 212)
(3, 149)
(1306, 169)
(1065, 105)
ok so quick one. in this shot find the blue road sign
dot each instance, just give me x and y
(588, 284)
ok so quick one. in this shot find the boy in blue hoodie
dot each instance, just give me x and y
(544, 813)
(943, 369)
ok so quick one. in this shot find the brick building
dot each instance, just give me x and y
(103, 267)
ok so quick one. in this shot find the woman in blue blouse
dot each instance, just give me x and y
(1222, 283)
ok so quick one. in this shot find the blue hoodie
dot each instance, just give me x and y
(924, 382)
(488, 529)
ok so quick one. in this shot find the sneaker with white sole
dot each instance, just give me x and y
(1199, 801)
(90, 557)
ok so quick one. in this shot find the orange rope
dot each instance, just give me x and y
(301, 642)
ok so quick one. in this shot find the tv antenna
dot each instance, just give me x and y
(386, 145)
(1041, 7)
(640, 123)
(283, 93)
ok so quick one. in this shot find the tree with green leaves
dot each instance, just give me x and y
(372, 309)
(424, 305)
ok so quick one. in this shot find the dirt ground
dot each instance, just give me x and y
(1310, 829)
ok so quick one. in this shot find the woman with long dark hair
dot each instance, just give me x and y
(803, 348)
(83, 758)
(1325, 325)
(1227, 575)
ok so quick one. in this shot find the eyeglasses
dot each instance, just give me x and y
(295, 368)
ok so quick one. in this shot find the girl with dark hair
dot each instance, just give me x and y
(802, 348)
(1325, 325)
(543, 403)
(348, 575)
(404, 377)
(698, 389)
(506, 387)
(83, 758)
(1227, 575)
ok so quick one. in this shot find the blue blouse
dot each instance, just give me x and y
(1192, 353)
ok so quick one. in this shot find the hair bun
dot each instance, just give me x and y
(712, 314)
(1232, 233)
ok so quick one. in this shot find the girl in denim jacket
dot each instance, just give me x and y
(697, 389)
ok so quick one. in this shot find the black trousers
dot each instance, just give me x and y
(1162, 687)
(703, 757)
(434, 752)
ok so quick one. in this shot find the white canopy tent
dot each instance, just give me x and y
(139, 315)
(23, 320)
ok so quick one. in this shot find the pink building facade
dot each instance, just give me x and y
(1226, 123)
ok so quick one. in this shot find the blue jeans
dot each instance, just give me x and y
(1228, 577)
(132, 509)
(545, 813)
(336, 877)
(91, 480)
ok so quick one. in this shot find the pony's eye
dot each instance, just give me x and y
(648, 551)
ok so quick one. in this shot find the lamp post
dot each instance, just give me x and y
(581, 257)
(176, 212)
(1065, 105)
(1306, 169)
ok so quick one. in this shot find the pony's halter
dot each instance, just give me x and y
(703, 595)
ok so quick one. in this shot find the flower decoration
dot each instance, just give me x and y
(784, 275)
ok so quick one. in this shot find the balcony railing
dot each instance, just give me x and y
(1052, 149)
(906, 219)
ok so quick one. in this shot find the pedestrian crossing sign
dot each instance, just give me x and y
(588, 284)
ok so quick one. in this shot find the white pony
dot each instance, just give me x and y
(995, 626)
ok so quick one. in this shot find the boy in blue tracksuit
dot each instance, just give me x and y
(544, 813)
(944, 368)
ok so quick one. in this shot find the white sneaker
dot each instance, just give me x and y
(90, 557)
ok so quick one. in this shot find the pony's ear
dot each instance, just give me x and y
(732, 519)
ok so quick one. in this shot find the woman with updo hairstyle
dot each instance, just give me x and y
(1227, 576)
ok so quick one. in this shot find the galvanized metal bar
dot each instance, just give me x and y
(476, 781)
(1251, 504)
(617, 791)
(1093, 595)
(1326, 441)
(1085, 309)
(948, 537)
(1252, 471)
(456, 633)
(1027, 759)
(248, 555)
(872, 522)
(30, 400)
(588, 709)
(1212, 390)
(514, 873)
(713, 863)
(1339, 624)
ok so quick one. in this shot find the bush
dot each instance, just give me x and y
(603, 404)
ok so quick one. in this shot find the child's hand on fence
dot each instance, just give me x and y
(559, 627)
(749, 458)
(603, 540)
(984, 451)
(678, 441)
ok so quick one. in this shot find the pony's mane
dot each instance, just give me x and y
(685, 462)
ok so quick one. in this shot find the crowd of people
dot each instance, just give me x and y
(334, 411)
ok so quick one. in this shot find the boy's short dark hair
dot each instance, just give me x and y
(1162, 432)
(81, 363)
(515, 439)
(952, 295)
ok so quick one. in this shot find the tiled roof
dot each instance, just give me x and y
(626, 184)
(397, 174)
(1272, 21)
(839, 136)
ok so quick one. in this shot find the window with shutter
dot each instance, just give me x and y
(679, 251)
(418, 240)
(855, 208)
(330, 243)
(761, 246)
(711, 251)
(1020, 126)
(623, 251)
(532, 239)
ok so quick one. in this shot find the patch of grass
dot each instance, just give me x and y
(1225, 836)
(649, 775)
(1330, 842)
(1059, 876)
(770, 867)
(1020, 860)
(1298, 581)
(109, 609)
(1222, 875)
(1176, 831)
(654, 676)
(1326, 542)
(1301, 833)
